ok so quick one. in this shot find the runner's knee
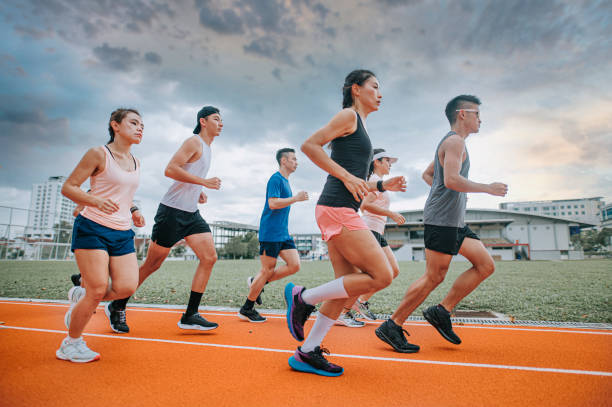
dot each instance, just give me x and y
(381, 281)
(210, 258)
(486, 268)
(293, 267)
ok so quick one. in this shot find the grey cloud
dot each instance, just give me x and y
(277, 74)
(270, 47)
(32, 32)
(153, 58)
(224, 21)
(119, 59)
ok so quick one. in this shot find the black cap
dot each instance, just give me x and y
(204, 112)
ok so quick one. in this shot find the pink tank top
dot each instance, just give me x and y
(117, 184)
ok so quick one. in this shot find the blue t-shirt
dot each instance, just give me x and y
(273, 226)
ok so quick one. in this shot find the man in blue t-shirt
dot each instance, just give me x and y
(274, 238)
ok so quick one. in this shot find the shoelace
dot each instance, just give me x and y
(121, 315)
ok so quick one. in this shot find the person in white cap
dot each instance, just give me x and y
(375, 209)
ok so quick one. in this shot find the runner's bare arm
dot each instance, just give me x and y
(185, 154)
(92, 163)
(428, 174)
(453, 148)
(280, 203)
(342, 124)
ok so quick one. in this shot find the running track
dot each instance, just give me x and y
(245, 364)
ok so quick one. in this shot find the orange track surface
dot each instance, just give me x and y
(245, 364)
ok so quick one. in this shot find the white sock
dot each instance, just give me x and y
(70, 339)
(317, 333)
(328, 291)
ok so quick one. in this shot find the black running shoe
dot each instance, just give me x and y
(298, 311)
(393, 334)
(249, 283)
(76, 279)
(314, 362)
(439, 317)
(250, 315)
(196, 321)
(117, 319)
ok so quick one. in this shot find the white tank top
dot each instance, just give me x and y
(377, 222)
(183, 195)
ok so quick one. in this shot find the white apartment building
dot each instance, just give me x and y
(588, 210)
(48, 207)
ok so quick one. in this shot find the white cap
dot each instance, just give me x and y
(384, 154)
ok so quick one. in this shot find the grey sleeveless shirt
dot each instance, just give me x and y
(444, 206)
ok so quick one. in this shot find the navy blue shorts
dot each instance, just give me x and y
(272, 249)
(172, 225)
(447, 239)
(87, 234)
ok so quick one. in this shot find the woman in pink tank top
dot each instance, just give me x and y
(102, 239)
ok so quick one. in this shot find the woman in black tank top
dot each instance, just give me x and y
(359, 263)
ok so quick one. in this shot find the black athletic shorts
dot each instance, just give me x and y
(447, 239)
(272, 249)
(380, 239)
(172, 225)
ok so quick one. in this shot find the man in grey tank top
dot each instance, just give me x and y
(446, 233)
(178, 218)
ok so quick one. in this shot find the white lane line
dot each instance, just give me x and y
(65, 304)
(379, 358)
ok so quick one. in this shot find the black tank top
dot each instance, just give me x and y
(353, 153)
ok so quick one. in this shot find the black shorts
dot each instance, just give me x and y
(447, 239)
(380, 239)
(172, 225)
(272, 249)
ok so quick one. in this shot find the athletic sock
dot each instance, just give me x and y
(328, 291)
(317, 333)
(248, 304)
(72, 340)
(119, 305)
(194, 303)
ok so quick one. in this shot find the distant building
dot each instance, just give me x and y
(223, 231)
(606, 216)
(48, 207)
(508, 235)
(310, 245)
(587, 210)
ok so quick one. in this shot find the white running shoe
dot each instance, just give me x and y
(363, 308)
(76, 293)
(76, 351)
(348, 319)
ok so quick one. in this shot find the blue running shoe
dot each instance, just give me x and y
(297, 310)
(314, 362)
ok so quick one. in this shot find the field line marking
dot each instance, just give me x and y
(378, 358)
(65, 304)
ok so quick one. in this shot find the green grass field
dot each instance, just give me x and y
(577, 291)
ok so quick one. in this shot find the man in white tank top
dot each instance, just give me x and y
(178, 218)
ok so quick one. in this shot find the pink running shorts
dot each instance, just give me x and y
(331, 220)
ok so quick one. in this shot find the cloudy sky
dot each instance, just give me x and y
(275, 69)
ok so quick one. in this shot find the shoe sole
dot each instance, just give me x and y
(71, 294)
(340, 323)
(306, 368)
(249, 319)
(197, 327)
(434, 322)
(386, 340)
(67, 317)
(60, 355)
(289, 301)
(107, 313)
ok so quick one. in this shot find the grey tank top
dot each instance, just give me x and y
(182, 195)
(444, 206)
